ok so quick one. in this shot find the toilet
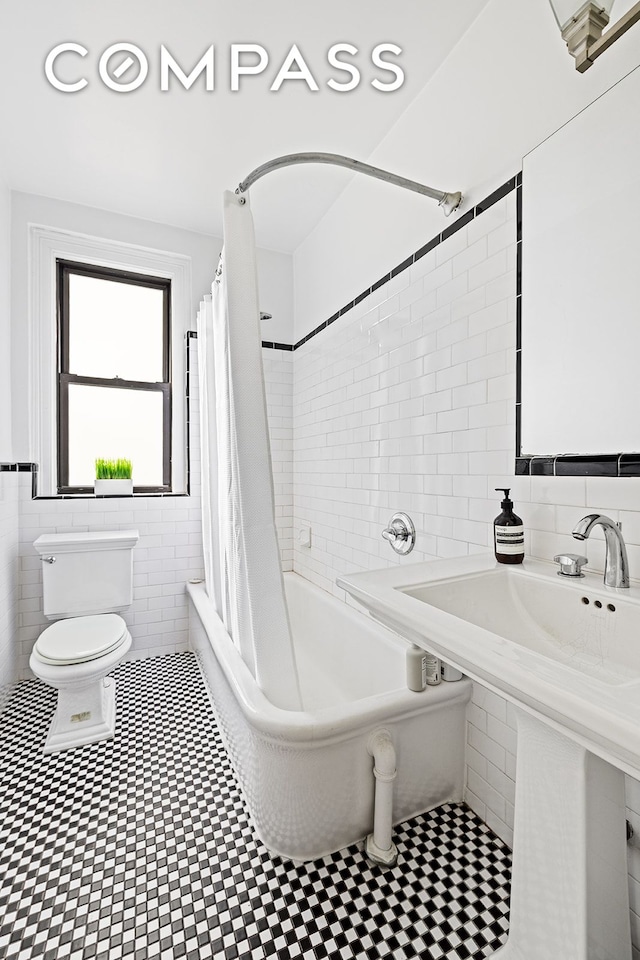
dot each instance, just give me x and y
(87, 580)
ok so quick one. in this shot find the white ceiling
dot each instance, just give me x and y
(168, 156)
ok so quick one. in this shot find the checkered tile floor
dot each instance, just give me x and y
(141, 847)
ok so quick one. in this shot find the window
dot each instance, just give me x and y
(114, 374)
(99, 270)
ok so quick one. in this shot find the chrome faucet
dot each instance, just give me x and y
(616, 565)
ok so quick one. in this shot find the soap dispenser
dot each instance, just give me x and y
(508, 532)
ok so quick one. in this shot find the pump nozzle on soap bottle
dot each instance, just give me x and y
(508, 532)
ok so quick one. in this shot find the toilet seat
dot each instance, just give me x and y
(80, 639)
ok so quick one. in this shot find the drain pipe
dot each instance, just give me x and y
(379, 847)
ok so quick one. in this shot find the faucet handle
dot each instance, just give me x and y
(400, 533)
(570, 564)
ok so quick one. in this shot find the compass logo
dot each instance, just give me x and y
(124, 67)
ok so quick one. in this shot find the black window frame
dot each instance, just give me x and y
(65, 268)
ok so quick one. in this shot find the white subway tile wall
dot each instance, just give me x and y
(278, 376)
(491, 760)
(407, 403)
(9, 588)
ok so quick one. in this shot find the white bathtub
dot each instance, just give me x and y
(307, 775)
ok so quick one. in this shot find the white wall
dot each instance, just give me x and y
(9, 590)
(275, 278)
(8, 481)
(278, 375)
(5, 323)
(507, 85)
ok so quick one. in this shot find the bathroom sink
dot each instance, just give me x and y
(559, 618)
(566, 649)
(566, 653)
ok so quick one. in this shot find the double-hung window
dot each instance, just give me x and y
(114, 395)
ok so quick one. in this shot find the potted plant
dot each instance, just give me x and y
(113, 477)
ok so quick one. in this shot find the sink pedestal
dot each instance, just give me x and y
(568, 654)
(569, 892)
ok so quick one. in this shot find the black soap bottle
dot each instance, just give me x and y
(508, 532)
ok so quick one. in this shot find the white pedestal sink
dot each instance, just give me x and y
(569, 882)
(567, 653)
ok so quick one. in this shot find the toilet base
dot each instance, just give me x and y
(84, 714)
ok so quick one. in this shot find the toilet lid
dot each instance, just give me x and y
(81, 638)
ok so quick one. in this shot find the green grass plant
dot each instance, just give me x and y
(113, 469)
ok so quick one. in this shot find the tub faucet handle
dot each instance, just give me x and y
(400, 533)
(392, 535)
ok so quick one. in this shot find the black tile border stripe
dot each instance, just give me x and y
(575, 465)
(23, 467)
(460, 222)
(502, 191)
(518, 420)
(600, 465)
(272, 345)
(430, 245)
(17, 467)
(190, 336)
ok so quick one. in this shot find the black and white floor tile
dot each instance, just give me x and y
(142, 847)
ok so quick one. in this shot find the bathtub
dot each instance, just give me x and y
(307, 776)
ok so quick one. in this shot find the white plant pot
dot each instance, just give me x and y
(113, 488)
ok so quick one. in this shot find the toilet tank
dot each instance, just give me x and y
(86, 573)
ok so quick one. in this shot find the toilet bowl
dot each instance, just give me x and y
(89, 574)
(74, 656)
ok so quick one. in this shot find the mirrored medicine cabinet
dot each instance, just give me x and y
(579, 377)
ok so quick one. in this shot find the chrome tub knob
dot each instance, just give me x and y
(400, 533)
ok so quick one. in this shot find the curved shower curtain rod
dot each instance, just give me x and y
(448, 201)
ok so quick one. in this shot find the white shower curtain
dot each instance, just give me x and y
(242, 558)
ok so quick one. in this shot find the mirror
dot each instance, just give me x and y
(580, 334)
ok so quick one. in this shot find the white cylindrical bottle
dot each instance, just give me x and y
(416, 668)
(434, 673)
(450, 674)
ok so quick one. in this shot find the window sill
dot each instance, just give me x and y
(32, 468)
(105, 496)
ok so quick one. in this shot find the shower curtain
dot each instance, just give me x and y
(242, 558)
